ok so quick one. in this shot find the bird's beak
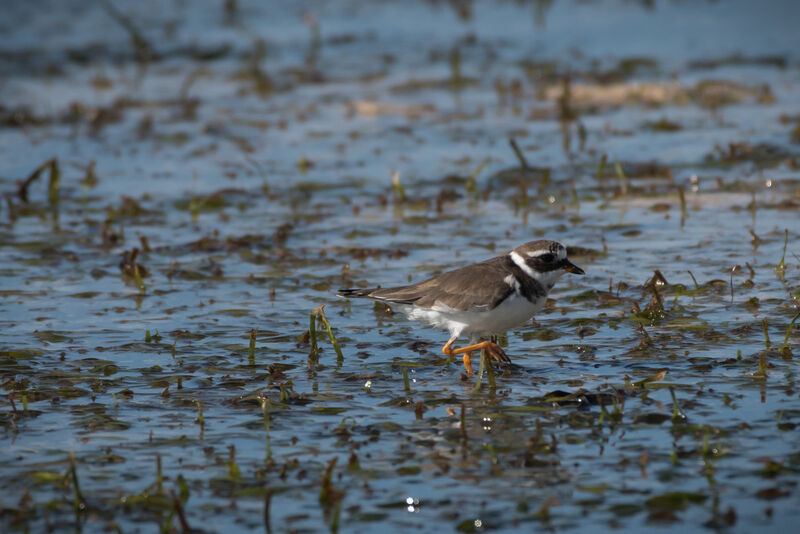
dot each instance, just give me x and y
(572, 268)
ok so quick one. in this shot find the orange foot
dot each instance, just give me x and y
(493, 350)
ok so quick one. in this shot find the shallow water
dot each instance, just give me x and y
(255, 157)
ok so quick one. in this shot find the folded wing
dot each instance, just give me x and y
(472, 288)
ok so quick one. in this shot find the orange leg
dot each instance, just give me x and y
(467, 363)
(492, 349)
(449, 351)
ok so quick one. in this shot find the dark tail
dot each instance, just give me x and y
(355, 293)
(391, 295)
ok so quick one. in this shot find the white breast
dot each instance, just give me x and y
(512, 312)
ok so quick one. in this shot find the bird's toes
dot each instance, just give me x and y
(498, 354)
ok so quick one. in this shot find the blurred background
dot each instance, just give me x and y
(184, 182)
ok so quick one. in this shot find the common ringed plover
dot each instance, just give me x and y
(483, 299)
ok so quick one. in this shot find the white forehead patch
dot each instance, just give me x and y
(561, 252)
(537, 253)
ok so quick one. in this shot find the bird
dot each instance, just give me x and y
(482, 299)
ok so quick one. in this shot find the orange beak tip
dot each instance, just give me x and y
(572, 268)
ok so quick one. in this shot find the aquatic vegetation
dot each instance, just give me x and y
(184, 192)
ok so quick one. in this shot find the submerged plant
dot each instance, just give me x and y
(471, 185)
(251, 351)
(520, 156)
(780, 269)
(328, 495)
(398, 189)
(265, 412)
(318, 314)
(785, 349)
(78, 502)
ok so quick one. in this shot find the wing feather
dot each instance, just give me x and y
(473, 287)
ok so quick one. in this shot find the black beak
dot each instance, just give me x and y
(571, 267)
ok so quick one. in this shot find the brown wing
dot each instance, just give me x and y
(478, 286)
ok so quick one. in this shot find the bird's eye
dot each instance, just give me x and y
(547, 258)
